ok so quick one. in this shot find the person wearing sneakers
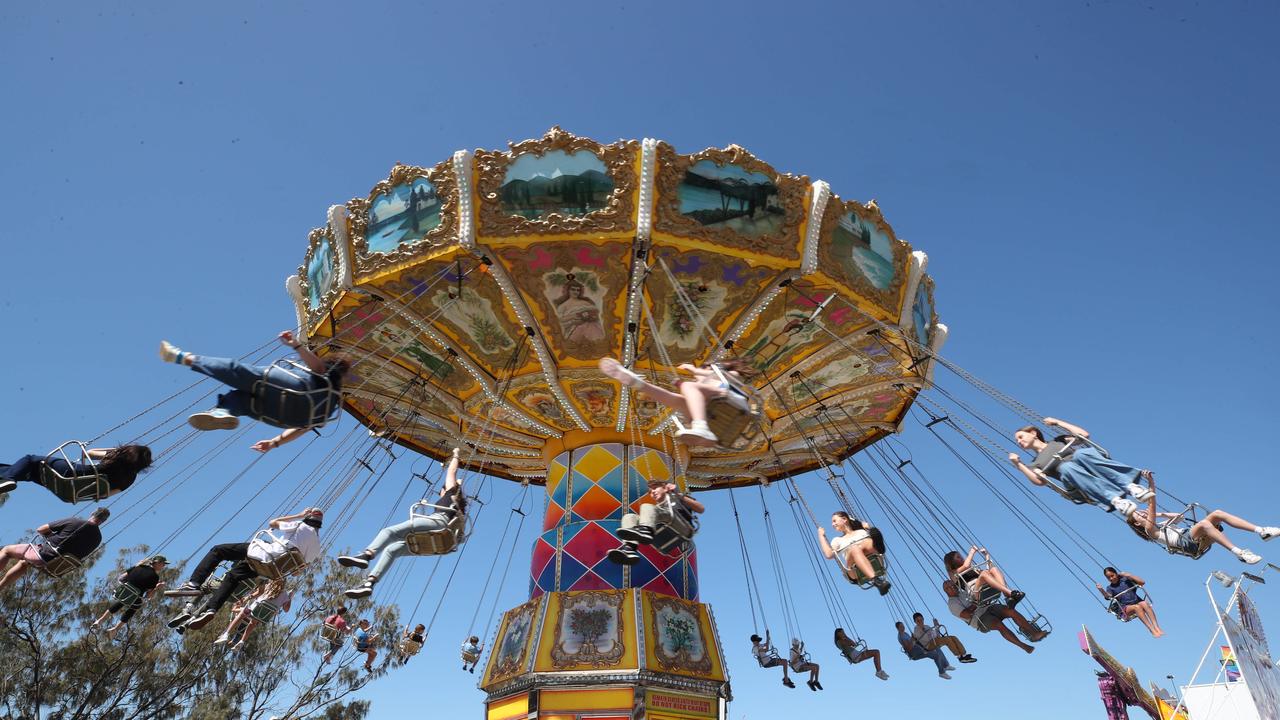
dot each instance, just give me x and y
(389, 544)
(335, 630)
(119, 467)
(848, 647)
(71, 537)
(767, 657)
(142, 579)
(960, 569)
(364, 643)
(916, 651)
(692, 399)
(300, 531)
(853, 548)
(991, 617)
(800, 662)
(641, 526)
(1164, 530)
(323, 385)
(1080, 466)
(931, 637)
(262, 606)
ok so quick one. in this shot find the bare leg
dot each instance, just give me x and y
(875, 657)
(858, 555)
(1136, 611)
(101, 617)
(1208, 528)
(15, 572)
(994, 579)
(666, 397)
(1146, 609)
(1007, 634)
(695, 400)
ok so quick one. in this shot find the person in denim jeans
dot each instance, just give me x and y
(321, 389)
(916, 651)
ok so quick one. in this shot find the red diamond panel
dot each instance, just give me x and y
(591, 544)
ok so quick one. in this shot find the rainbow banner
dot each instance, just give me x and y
(1229, 664)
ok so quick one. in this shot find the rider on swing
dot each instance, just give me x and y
(642, 527)
(692, 399)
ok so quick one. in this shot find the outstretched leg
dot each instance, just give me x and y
(1008, 634)
(614, 369)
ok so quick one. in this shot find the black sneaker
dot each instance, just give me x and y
(883, 585)
(625, 555)
(204, 617)
(817, 685)
(179, 620)
(186, 589)
(788, 683)
(359, 560)
(364, 589)
(8, 486)
(637, 534)
(967, 658)
(1015, 598)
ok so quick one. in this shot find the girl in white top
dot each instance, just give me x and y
(853, 548)
(1195, 540)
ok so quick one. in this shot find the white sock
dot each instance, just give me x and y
(698, 425)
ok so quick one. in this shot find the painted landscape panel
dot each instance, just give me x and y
(320, 273)
(730, 196)
(571, 184)
(405, 214)
(859, 244)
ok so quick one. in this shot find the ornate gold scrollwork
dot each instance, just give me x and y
(446, 187)
(616, 215)
(682, 628)
(330, 296)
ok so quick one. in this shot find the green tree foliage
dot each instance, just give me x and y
(56, 667)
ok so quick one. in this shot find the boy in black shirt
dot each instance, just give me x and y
(136, 585)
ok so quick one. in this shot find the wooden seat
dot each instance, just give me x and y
(732, 417)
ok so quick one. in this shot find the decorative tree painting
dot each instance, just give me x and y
(730, 196)
(589, 629)
(406, 213)
(569, 184)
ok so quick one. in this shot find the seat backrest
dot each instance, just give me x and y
(61, 565)
(857, 576)
(264, 612)
(281, 566)
(677, 524)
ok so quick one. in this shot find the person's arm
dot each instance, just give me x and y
(1031, 473)
(968, 561)
(694, 505)
(288, 603)
(285, 436)
(1071, 429)
(97, 453)
(310, 359)
(1148, 519)
(827, 551)
(44, 529)
(451, 473)
(277, 522)
(1103, 590)
(1137, 580)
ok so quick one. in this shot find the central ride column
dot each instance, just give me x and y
(597, 639)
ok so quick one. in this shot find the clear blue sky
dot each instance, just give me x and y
(1090, 180)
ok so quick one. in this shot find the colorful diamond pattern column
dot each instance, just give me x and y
(588, 490)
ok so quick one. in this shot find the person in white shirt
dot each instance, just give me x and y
(992, 617)
(931, 639)
(854, 548)
(298, 531)
(766, 657)
(800, 662)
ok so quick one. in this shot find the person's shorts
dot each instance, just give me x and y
(31, 556)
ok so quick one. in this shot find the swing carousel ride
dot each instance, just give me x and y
(480, 293)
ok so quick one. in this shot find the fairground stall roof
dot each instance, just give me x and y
(477, 295)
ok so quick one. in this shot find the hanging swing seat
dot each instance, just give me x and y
(1039, 622)
(852, 651)
(86, 485)
(1115, 608)
(330, 633)
(280, 566)
(264, 612)
(879, 564)
(733, 416)
(273, 401)
(60, 564)
(1183, 524)
(410, 647)
(127, 595)
(676, 525)
(980, 597)
(1069, 492)
(798, 660)
(471, 657)
(771, 654)
(436, 542)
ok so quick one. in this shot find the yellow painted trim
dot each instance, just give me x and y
(707, 246)
(592, 699)
(525, 240)
(509, 708)
(673, 704)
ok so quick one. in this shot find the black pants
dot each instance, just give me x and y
(238, 573)
(128, 613)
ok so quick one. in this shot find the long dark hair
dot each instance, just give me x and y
(123, 464)
(840, 635)
(1033, 430)
(952, 560)
(877, 538)
(744, 370)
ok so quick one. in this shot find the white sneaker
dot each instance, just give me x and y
(882, 675)
(1247, 556)
(698, 434)
(215, 419)
(615, 370)
(1126, 507)
(221, 639)
(1266, 533)
(944, 675)
(1141, 493)
(950, 668)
